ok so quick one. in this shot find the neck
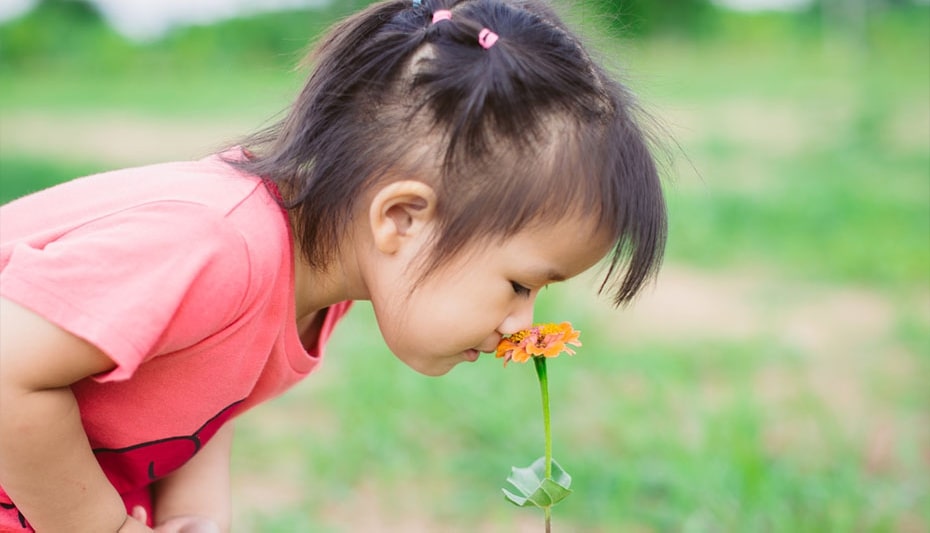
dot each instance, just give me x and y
(318, 289)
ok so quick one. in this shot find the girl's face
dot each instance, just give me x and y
(485, 292)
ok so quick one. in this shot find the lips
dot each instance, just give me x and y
(471, 355)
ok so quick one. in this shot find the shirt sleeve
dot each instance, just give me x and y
(137, 283)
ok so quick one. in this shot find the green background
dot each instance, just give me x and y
(775, 378)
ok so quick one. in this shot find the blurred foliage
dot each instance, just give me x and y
(696, 18)
(73, 34)
(20, 175)
(639, 17)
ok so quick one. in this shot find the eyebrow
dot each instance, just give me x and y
(549, 275)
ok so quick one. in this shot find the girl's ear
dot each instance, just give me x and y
(400, 212)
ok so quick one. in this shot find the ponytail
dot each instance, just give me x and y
(496, 104)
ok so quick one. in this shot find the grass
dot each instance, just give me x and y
(259, 91)
(21, 175)
(803, 166)
(657, 436)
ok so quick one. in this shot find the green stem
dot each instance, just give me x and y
(540, 363)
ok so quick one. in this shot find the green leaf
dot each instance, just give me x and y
(533, 488)
(519, 501)
(560, 477)
(527, 479)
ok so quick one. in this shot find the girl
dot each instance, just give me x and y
(446, 160)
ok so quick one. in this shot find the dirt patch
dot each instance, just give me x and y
(779, 129)
(689, 305)
(843, 357)
(401, 515)
(115, 139)
(823, 321)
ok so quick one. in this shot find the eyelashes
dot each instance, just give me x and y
(520, 289)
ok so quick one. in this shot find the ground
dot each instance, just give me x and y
(848, 334)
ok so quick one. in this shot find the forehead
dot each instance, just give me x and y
(549, 251)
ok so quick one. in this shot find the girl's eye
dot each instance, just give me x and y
(520, 289)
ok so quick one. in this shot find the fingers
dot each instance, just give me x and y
(136, 522)
(138, 513)
(188, 524)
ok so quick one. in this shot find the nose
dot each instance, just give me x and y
(520, 318)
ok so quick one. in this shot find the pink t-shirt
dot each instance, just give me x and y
(183, 274)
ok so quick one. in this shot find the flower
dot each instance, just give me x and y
(541, 340)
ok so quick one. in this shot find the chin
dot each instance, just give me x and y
(435, 370)
(432, 368)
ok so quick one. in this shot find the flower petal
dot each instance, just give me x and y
(541, 340)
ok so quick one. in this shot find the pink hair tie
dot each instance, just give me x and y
(487, 38)
(442, 14)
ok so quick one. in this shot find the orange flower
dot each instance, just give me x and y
(541, 340)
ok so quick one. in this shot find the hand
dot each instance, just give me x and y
(135, 522)
(178, 524)
(188, 524)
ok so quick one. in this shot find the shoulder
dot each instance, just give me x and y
(183, 201)
(125, 279)
(202, 219)
(209, 182)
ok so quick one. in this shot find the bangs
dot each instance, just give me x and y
(601, 170)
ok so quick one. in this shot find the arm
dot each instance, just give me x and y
(200, 488)
(46, 463)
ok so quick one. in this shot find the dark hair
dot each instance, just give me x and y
(528, 131)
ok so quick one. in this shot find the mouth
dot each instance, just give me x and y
(471, 355)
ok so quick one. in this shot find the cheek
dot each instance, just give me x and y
(392, 322)
(433, 323)
(442, 316)
(409, 325)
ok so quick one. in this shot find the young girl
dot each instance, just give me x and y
(446, 160)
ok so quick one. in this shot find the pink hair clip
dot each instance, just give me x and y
(442, 14)
(487, 38)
